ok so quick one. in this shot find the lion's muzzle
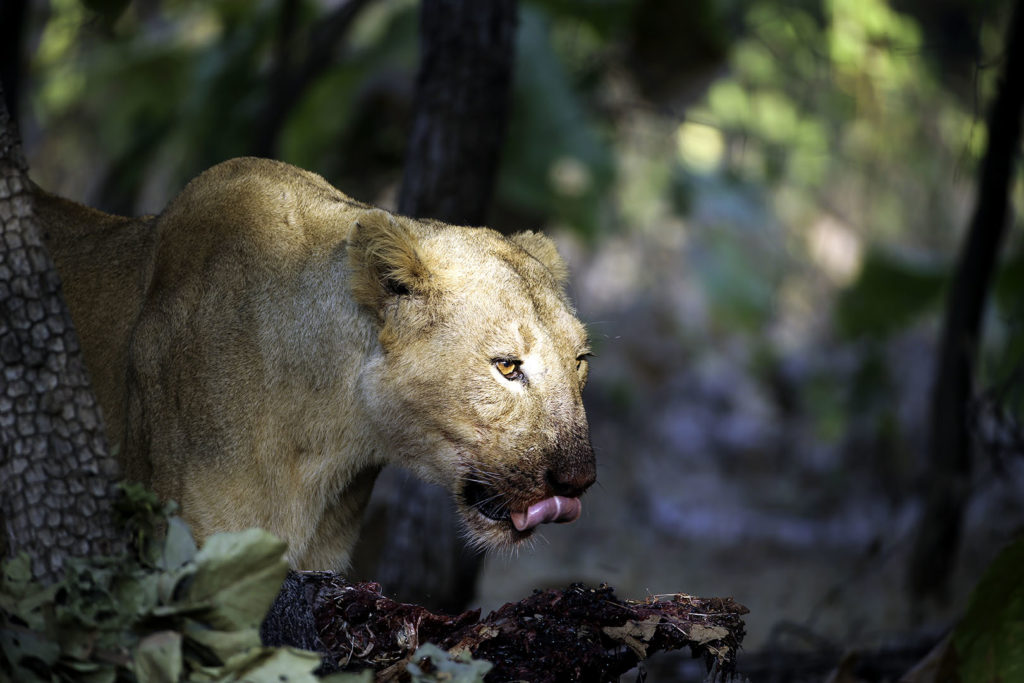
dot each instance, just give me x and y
(553, 509)
(573, 472)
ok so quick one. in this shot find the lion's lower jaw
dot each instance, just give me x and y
(484, 534)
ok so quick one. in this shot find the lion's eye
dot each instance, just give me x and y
(509, 368)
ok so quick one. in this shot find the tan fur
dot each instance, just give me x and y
(266, 344)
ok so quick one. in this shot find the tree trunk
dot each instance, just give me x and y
(411, 543)
(12, 35)
(56, 474)
(938, 539)
(462, 99)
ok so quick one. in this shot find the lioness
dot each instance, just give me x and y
(266, 344)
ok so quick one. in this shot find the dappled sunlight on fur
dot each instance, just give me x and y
(266, 344)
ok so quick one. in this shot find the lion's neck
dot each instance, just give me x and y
(328, 543)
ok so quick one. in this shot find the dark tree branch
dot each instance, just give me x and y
(56, 473)
(949, 439)
(577, 633)
(290, 76)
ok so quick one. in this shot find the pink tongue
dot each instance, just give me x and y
(554, 509)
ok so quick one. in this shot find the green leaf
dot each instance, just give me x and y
(145, 516)
(179, 546)
(17, 574)
(158, 658)
(27, 652)
(170, 586)
(77, 641)
(890, 293)
(136, 595)
(222, 644)
(90, 672)
(273, 665)
(989, 640)
(22, 597)
(237, 577)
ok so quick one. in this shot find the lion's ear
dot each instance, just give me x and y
(385, 258)
(543, 249)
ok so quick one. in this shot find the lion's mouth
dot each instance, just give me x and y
(486, 501)
(492, 505)
(554, 509)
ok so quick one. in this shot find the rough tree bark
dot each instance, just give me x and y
(938, 539)
(56, 473)
(411, 543)
(462, 98)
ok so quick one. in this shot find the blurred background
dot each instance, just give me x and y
(761, 203)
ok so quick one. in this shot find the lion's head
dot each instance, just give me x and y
(477, 385)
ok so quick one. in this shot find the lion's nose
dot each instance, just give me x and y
(572, 481)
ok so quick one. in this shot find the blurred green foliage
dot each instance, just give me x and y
(566, 171)
(384, 50)
(739, 284)
(834, 104)
(907, 289)
(173, 93)
(837, 104)
(867, 154)
(989, 640)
